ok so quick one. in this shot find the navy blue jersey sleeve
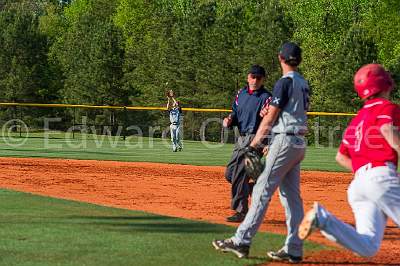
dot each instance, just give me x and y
(281, 92)
(234, 114)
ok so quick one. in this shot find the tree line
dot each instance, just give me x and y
(129, 52)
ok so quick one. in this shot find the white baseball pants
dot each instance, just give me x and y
(374, 195)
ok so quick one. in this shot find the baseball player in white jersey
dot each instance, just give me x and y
(286, 120)
(370, 148)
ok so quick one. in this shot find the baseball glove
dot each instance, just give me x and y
(170, 93)
(253, 163)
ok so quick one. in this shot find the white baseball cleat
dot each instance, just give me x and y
(309, 222)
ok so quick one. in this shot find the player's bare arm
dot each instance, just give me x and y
(344, 161)
(392, 136)
(264, 111)
(169, 103)
(171, 100)
(266, 124)
(227, 121)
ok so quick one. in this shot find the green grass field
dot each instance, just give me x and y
(142, 149)
(45, 231)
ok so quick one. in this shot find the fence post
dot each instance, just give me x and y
(316, 144)
(20, 117)
(222, 134)
(73, 123)
(125, 122)
(14, 117)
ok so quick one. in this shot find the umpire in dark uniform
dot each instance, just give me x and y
(249, 107)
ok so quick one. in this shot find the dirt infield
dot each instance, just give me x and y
(194, 192)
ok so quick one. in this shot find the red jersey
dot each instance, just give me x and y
(363, 141)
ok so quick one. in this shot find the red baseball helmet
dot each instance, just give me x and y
(372, 79)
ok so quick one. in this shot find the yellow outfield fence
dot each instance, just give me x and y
(143, 108)
(119, 120)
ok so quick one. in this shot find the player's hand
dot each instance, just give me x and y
(227, 121)
(264, 111)
(265, 150)
(170, 94)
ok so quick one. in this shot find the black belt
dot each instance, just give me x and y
(246, 134)
(274, 133)
(289, 133)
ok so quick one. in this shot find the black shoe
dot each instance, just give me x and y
(238, 217)
(281, 255)
(227, 245)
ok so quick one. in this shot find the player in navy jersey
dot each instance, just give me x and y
(286, 120)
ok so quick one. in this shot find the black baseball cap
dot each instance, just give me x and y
(291, 53)
(257, 70)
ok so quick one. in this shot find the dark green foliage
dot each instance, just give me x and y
(129, 52)
(23, 60)
(91, 57)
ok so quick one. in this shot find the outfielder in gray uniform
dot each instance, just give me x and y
(175, 117)
(287, 121)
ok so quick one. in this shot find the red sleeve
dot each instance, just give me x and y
(389, 114)
(343, 149)
(344, 145)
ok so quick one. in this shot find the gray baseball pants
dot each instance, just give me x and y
(282, 169)
(176, 136)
